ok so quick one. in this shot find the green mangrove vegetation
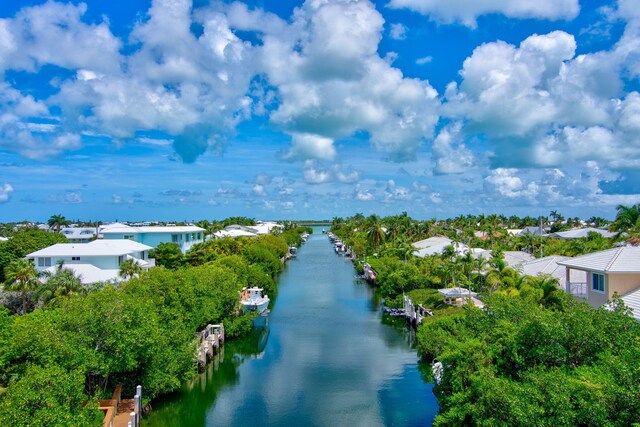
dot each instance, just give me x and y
(70, 347)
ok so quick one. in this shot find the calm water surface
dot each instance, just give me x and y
(327, 360)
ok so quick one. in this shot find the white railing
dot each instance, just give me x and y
(578, 289)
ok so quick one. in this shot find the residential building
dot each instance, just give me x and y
(614, 271)
(436, 246)
(515, 259)
(184, 236)
(96, 261)
(579, 233)
(236, 230)
(535, 231)
(548, 266)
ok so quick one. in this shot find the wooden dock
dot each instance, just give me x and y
(415, 314)
(209, 341)
(120, 412)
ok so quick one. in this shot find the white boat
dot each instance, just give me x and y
(253, 299)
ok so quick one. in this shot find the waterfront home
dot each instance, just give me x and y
(614, 271)
(236, 230)
(579, 233)
(96, 261)
(267, 227)
(184, 236)
(460, 296)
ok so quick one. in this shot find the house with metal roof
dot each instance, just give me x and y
(614, 271)
(549, 266)
(515, 259)
(580, 233)
(535, 231)
(236, 230)
(184, 236)
(96, 261)
(436, 246)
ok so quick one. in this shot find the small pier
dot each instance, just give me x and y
(415, 314)
(120, 412)
(209, 341)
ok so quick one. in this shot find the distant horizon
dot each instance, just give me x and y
(73, 220)
(169, 109)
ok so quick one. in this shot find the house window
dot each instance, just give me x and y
(44, 262)
(174, 238)
(120, 259)
(75, 258)
(199, 236)
(186, 236)
(597, 282)
(128, 236)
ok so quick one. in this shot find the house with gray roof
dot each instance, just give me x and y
(437, 246)
(614, 271)
(535, 231)
(579, 233)
(549, 266)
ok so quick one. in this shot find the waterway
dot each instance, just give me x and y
(327, 359)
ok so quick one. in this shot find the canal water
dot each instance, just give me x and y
(327, 359)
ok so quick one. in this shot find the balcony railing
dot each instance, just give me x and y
(578, 289)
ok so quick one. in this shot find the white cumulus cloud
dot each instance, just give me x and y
(466, 12)
(5, 192)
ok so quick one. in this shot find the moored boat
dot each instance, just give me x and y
(252, 299)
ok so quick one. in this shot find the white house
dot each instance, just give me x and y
(95, 261)
(236, 230)
(184, 236)
(266, 227)
(436, 246)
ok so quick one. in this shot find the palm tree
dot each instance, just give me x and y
(626, 218)
(62, 283)
(375, 232)
(57, 222)
(21, 275)
(129, 268)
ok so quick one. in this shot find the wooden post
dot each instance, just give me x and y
(139, 394)
(136, 410)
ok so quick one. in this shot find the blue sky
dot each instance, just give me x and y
(181, 110)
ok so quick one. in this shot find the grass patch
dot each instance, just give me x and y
(429, 298)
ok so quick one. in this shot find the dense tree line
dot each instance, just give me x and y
(519, 363)
(24, 241)
(79, 345)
